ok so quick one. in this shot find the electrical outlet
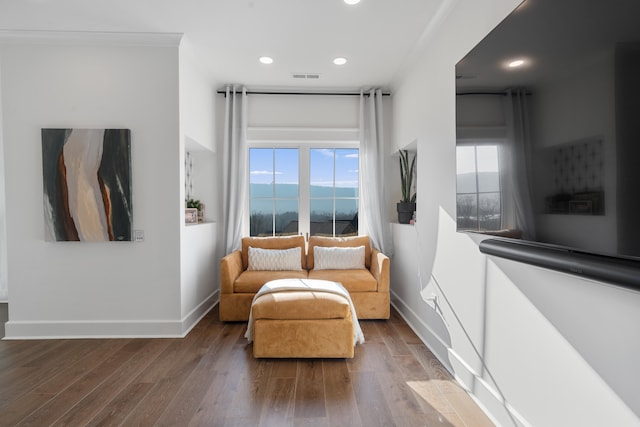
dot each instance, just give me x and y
(138, 235)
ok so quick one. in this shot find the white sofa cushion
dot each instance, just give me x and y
(338, 258)
(274, 259)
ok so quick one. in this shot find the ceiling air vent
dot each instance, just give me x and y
(305, 75)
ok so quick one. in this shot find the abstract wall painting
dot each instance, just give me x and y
(87, 184)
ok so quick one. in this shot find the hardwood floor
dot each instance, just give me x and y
(210, 378)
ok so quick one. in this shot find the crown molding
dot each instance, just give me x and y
(90, 38)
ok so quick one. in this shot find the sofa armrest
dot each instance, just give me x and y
(380, 269)
(230, 269)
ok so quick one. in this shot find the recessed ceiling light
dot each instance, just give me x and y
(352, 2)
(340, 61)
(517, 63)
(266, 59)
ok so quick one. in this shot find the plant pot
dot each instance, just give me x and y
(405, 212)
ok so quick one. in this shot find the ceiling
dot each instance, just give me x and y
(377, 37)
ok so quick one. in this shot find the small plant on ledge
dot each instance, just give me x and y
(193, 203)
(407, 204)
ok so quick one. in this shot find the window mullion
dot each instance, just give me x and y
(475, 158)
(273, 192)
(334, 191)
(304, 214)
(304, 150)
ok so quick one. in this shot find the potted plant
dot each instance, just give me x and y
(193, 203)
(407, 205)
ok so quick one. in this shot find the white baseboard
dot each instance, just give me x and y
(194, 316)
(76, 329)
(483, 393)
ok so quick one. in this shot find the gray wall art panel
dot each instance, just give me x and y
(87, 184)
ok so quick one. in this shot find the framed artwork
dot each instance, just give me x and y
(87, 184)
(190, 215)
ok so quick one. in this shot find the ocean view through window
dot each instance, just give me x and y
(274, 191)
(333, 191)
(303, 190)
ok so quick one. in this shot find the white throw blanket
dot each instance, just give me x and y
(314, 285)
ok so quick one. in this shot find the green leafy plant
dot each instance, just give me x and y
(192, 203)
(407, 169)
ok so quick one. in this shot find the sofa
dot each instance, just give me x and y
(368, 285)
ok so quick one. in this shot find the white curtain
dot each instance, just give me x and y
(372, 156)
(234, 166)
(515, 164)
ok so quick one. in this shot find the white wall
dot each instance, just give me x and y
(306, 111)
(535, 347)
(93, 289)
(199, 257)
(4, 294)
(197, 98)
(200, 284)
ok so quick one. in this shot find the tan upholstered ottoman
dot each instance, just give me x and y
(302, 324)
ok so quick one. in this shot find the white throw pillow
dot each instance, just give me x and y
(337, 258)
(274, 259)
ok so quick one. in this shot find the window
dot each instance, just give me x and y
(273, 191)
(478, 188)
(303, 190)
(333, 191)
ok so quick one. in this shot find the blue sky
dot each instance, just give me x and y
(261, 163)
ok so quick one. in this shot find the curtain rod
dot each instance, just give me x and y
(257, 92)
(498, 93)
(502, 93)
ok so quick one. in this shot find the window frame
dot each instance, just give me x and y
(274, 198)
(304, 155)
(475, 143)
(335, 199)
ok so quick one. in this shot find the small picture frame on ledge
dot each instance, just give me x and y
(190, 216)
